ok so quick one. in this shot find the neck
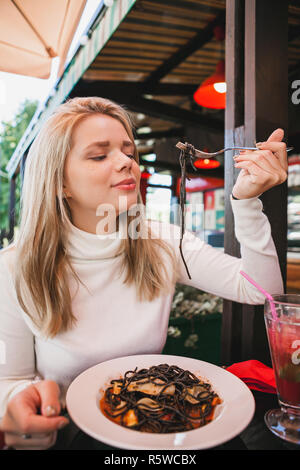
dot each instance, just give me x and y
(96, 225)
(83, 246)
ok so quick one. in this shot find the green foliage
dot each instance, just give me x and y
(10, 134)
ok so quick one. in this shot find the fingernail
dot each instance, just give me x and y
(63, 424)
(259, 144)
(50, 411)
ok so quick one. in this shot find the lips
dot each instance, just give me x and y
(126, 181)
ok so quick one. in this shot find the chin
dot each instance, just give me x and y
(125, 202)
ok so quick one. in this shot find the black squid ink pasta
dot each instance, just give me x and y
(160, 399)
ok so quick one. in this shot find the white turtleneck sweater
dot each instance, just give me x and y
(111, 322)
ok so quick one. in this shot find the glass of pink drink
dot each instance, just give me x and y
(284, 342)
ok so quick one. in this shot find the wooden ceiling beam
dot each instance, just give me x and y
(169, 112)
(163, 89)
(155, 108)
(173, 132)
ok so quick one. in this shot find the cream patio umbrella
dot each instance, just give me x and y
(32, 32)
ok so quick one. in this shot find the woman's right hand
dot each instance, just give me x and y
(23, 426)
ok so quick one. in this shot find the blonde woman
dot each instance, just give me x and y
(89, 278)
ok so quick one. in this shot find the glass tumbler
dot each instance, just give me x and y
(282, 321)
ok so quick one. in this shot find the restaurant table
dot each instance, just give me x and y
(256, 436)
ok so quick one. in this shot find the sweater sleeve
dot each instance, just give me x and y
(17, 357)
(219, 273)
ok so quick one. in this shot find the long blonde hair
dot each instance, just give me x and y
(42, 263)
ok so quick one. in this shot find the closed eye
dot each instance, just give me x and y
(101, 157)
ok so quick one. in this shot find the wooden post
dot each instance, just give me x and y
(266, 108)
(255, 107)
(266, 97)
(234, 134)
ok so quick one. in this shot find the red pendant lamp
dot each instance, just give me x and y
(145, 175)
(206, 163)
(212, 92)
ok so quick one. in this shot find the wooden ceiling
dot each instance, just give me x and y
(154, 32)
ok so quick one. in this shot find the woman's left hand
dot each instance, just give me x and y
(261, 169)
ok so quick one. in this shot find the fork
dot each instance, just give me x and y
(201, 154)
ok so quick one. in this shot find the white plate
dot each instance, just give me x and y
(231, 416)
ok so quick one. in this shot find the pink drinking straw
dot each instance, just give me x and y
(266, 294)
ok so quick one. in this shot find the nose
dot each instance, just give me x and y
(123, 161)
